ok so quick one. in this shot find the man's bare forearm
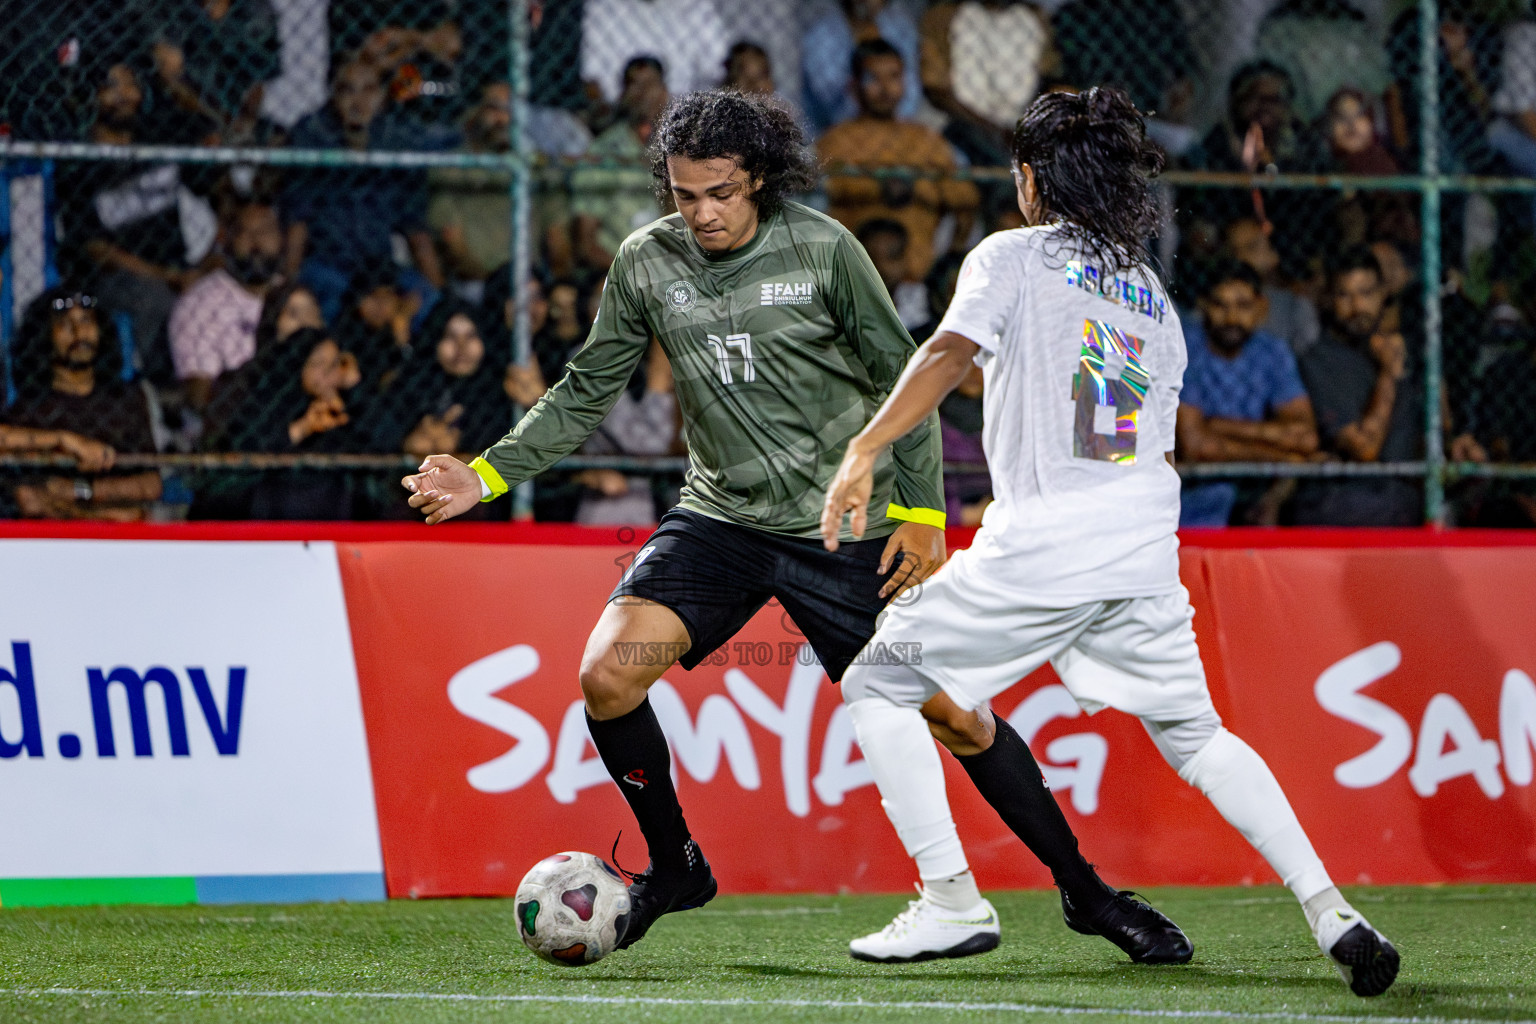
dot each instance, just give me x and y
(1283, 437)
(1363, 439)
(123, 490)
(118, 258)
(1213, 447)
(424, 251)
(28, 439)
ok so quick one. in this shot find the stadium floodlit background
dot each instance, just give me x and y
(205, 179)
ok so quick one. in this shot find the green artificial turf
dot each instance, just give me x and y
(1469, 953)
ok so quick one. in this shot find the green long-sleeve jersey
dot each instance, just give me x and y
(781, 351)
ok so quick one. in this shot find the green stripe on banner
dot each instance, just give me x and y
(74, 892)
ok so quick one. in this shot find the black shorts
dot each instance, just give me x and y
(717, 575)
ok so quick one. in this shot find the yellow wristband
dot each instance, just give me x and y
(926, 516)
(492, 479)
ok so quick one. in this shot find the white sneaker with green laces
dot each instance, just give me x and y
(926, 931)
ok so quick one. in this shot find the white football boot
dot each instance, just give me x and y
(1365, 959)
(926, 931)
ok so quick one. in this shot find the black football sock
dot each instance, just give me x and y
(1008, 776)
(634, 750)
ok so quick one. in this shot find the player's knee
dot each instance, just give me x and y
(1179, 741)
(960, 731)
(887, 682)
(608, 689)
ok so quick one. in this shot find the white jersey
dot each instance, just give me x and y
(1082, 384)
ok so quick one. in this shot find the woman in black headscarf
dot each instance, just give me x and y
(296, 405)
(375, 326)
(449, 398)
(286, 312)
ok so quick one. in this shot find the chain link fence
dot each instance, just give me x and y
(262, 255)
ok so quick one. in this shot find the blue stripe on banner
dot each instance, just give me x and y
(360, 887)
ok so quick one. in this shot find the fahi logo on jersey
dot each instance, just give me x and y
(681, 296)
(784, 293)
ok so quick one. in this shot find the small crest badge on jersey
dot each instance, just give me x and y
(681, 296)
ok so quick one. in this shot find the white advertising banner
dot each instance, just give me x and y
(182, 710)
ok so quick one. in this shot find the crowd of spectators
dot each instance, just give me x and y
(344, 307)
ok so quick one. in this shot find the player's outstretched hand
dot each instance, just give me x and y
(444, 488)
(922, 552)
(848, 493)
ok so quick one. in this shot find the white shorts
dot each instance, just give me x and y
(966, 637)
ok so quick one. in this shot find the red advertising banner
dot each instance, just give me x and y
(1392, 693)
(1389, 688)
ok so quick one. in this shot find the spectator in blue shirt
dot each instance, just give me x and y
(1243, 400)
(827, 53)
(342, 221)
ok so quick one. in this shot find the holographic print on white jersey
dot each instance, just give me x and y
(1121, 291)
(1109, 387)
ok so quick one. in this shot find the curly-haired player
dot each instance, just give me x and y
(1076, 562)
(782, 340)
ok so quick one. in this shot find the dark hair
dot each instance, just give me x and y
(1221, 271)
(1349, 92)
(585, 289)
(876, 47)
(740, 49)
(285, 362)
(435, 325)
(1254, 70)
(1356, 257)
(271, 395)
(32, 354)
(941, 280)
(1094, 167)
(566, 282)
(758, 132)
(378, 272)
(351, 60)
(498, 289)
(272, 308)
(96, 67)
(240, 393)
(493, 310)
(231, 206)
(881, 226)
(645, 60)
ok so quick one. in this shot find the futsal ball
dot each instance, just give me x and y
(572, 908)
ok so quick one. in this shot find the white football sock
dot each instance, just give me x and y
(1240, 785)
(957, 892)
(1315, 907)
(905, 762)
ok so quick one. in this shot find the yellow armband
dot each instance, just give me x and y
(492, 478)
(926, 516)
